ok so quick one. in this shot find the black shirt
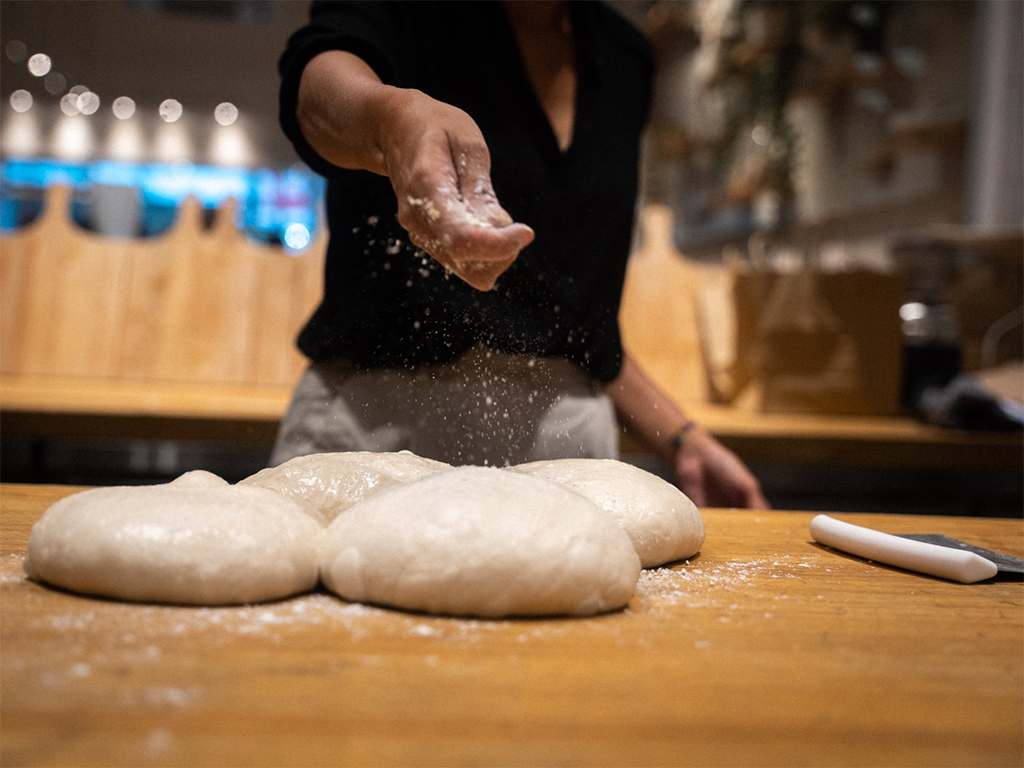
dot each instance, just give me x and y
(388, 304)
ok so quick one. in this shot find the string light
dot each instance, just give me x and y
(88, 103)
(170, 110)
(21, 101)
(225, 113)
(123, 107)
(73, 138)
(39, 64)
(229, 145)
(69, 104)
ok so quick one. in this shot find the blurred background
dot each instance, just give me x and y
(827, 267)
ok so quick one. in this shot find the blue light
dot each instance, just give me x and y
(273, 205)
(296, 236)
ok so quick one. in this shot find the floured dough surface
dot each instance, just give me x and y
(477, 541)
(333, 482)
(197, 540)
(662, 522)
(199, 478)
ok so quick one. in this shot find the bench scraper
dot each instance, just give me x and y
(933, 554)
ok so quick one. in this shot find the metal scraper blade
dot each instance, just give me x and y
(1005, 563)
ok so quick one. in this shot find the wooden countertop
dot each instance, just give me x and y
(180, 410)
(894, 441)
(766, 649)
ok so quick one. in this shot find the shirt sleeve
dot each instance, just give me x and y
(370, 30)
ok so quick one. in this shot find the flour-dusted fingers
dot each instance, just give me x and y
(447, 205)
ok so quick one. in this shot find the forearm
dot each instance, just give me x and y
(433, 153)
(707, 472)
(644, 409)
(342, 106)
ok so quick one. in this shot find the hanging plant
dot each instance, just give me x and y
(762, 55)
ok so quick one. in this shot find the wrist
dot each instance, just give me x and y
(393, 113)
(676, 442)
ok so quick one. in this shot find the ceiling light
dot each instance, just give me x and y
(170, 110)
(225, 113)
(123, 107)
(39, 64)
(21, 101)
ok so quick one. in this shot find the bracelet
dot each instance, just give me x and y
(678, 439)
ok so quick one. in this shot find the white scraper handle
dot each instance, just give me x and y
(947, 563)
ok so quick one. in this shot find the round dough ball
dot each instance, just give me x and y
(662, 522)
(190, 541)
(477, 541)
(333, 482)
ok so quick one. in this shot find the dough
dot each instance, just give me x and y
(333, 482)
(663, 524)
(196, 540)
(482, 542)
(199, 478)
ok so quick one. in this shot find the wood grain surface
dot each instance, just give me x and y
(191, 305)
(765, 649)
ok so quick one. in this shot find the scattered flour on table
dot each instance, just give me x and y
(11, 569)
(136, 633)
(157, 742)
(709, 584)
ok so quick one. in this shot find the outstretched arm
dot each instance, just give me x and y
(708, 472)
(433, 153)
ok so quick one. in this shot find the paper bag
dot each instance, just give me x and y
(806, 341)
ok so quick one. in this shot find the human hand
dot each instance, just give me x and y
(439, 166)
(713, 476)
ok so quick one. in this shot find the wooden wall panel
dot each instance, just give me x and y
(148, 294)
(68, 322)
(658, 317)
(206, 332)
(15, 252)
(194, 305)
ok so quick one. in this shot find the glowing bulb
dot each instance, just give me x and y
(170, 110)
(225, 113)
(172, 144)
(69, 104)
(124, 107)
(21, 135)
(39, 64)
(88, 103)
(21, 101)
(230, 146)
(125, 141)
(296, 236)
(73, 138)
